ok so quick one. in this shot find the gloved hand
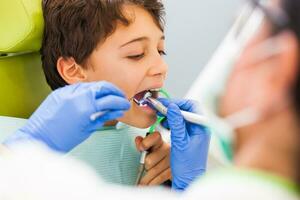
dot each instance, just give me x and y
(63, 120)
(189, 144)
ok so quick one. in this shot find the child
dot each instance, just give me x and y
(120, 41)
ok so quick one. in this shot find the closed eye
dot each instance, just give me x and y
(136, 57)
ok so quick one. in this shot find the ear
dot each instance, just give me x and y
(286, 70)
(70, 71)
(279, 74)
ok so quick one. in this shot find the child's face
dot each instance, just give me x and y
(131, 58)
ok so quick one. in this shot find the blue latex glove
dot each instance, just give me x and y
(189, 144)
(63, 120)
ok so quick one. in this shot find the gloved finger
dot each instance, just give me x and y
(152, 141)
(179, 135)
(183, 104)
(165, 124)
(188, 105)
(111, 115)
(156, 171)
(159, 114)
(164, 101)
(154, 157)
(104, 88)
(162, 177)
(194, 129)
(112, 102)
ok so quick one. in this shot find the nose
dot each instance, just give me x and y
(158, 66)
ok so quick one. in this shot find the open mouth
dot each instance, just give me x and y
(141, 98)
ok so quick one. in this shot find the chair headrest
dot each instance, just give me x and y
(21, 23)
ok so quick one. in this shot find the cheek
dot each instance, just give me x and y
(127, 80)
(125, 76)
(235, 95)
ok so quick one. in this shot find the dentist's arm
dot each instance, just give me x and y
(63, 120)
(189, 144)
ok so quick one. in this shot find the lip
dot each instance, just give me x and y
(148, 110)
(157, 86)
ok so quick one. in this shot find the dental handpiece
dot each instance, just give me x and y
(188, 116)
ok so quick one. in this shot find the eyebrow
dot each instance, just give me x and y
(140, 39)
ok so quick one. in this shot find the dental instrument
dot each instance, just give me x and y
(188, 116)
(142, 165)
(142, 102)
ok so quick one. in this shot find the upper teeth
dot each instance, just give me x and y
(155, 90)
(147, 94)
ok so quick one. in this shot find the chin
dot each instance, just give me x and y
(142, 122)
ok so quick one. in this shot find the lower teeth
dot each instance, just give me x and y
(141, 103)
